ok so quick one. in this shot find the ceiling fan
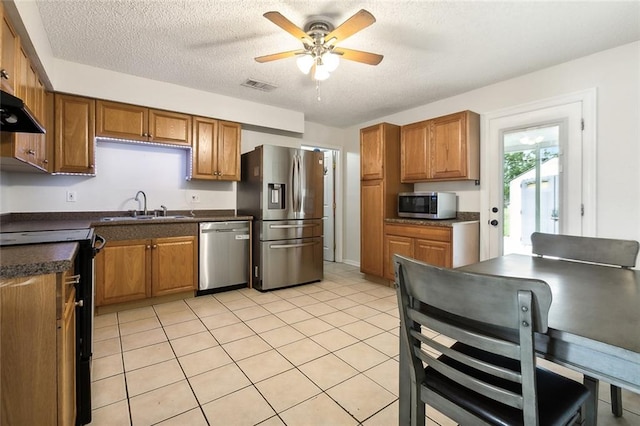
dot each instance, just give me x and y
(320, 55)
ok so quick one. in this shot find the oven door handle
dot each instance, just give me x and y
(101, 242)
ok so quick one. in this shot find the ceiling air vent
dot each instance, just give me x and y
(259, 85)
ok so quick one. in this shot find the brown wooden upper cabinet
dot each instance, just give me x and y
(132, 122)
(414, 151)
(74, 134)
(441, 149)
(216, 150)
(371, 152)
(22, 151)
(10, 43)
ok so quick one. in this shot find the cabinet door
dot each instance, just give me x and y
(371, 152)
(75, 134)
(414, 152)
(394, 244)
(28, 387)
(121, 121)
(174, 263)
(10, 45)
(67, 363)
(449, 147)
(433, 252)
(123, 272)
(169, 127)
(32, 96)
(228, 151)
(203, 154)
(371, 225)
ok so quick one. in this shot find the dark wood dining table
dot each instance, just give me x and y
(594, 322)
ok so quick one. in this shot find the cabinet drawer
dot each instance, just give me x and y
(434, 233)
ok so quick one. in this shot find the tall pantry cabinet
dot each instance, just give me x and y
(379, 188)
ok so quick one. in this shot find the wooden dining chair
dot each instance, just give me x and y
(605, 251)
(489, 375)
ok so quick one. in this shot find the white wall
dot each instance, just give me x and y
(615, 73)
(123, 169)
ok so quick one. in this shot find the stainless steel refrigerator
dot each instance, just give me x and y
(283, 189)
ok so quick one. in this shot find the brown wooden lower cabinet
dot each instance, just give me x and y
(447, 246)
(38, 348)
(137, 269)
(371, 221)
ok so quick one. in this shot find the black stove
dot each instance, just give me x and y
(40, 237)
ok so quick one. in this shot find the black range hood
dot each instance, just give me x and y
(15, 117)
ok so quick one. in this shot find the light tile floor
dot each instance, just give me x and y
(319, 354)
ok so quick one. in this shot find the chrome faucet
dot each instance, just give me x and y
(145, 201)
(164, 210)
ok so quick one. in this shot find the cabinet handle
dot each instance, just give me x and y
(73, 279)
(45, 161)
(148, 247)
(4, 74)
(79, 303)
(150, 135)
(31, 152)
(155, 246)
(91, 166)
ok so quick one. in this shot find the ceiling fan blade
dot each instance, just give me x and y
(357, 22)
(276, 56)
(358, 56)
(288, 26)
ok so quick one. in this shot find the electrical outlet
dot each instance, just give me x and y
(195, 198)
(72, 196)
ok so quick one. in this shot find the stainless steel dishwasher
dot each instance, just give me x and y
(224, 255)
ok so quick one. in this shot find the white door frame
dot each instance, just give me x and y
(488, 140)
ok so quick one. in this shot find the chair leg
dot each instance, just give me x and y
(616, 401)
(591, 404)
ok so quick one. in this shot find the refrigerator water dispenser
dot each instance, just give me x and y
(276, 196)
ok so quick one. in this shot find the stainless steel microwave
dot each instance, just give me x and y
(427, 205)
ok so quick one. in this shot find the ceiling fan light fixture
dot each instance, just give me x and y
(331, 61)
(320, 73)
(305, 62)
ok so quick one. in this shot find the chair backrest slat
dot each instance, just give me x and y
(483, 388)
(492, 369)
(586, 249)
(479, 340)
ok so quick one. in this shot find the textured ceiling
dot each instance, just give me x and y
(432, 49)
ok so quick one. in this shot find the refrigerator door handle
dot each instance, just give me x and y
(292, 226)
(299, 184)
(294, 185)
(288, 246)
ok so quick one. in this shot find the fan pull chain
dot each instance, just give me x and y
(318, 90)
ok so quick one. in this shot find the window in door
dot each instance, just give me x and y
(531, 185)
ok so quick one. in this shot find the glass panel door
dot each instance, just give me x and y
(531, 185)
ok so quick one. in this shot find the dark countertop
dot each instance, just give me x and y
(19, 222)
(36, 259)
(462, 217)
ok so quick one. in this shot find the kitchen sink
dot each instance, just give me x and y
(143, 217)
